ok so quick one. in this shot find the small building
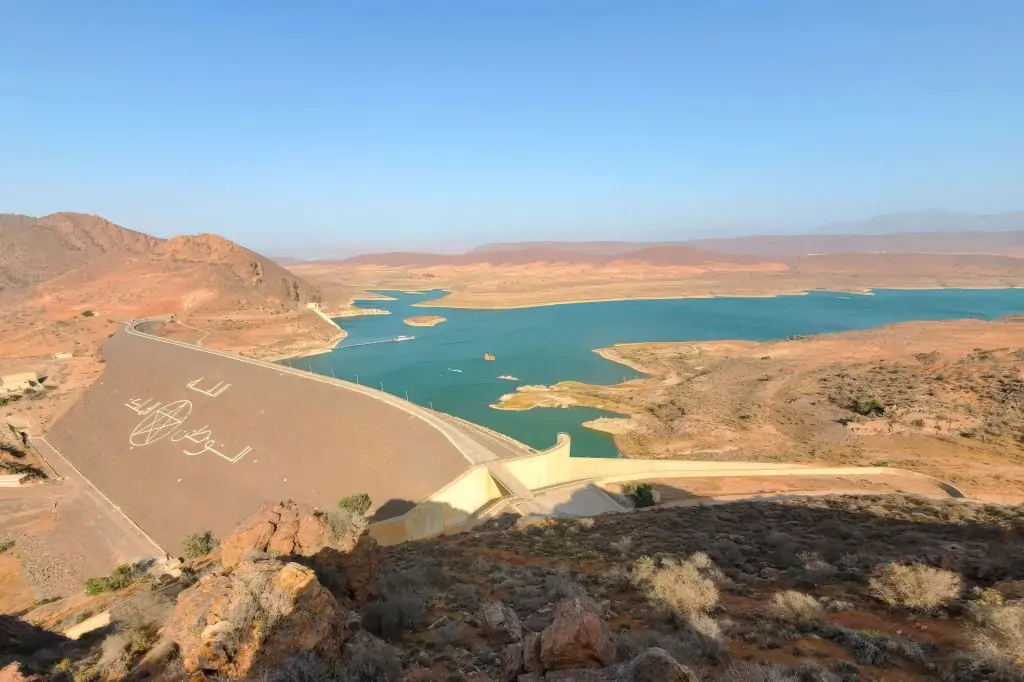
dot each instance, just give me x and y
(17, 381)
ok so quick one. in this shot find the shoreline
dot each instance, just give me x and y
(863, 291)
(319, 349)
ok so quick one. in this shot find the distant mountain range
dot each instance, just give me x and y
(945, 232)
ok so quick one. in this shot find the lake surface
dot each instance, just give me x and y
(553, 343)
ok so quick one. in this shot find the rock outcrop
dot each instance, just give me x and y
(657, 665)
(577, 638)
(332, 543)
(254, 615)
(576, 646)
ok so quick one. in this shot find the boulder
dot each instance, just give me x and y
(500, 622)
(576, 638)
(254, 616)
(346, 558)
(657, 665)
(531, 653)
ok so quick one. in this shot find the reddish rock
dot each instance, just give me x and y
(254, 616)
(576, 638)
(293, 530)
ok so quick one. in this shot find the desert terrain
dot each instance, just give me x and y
(941, 398)
(833, 588)
(572, 273)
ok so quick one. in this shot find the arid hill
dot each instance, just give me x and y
(941, 398)
(68, 279)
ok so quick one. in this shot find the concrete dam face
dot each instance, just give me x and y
(185, 439)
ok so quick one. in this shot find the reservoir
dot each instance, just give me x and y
(443, 366)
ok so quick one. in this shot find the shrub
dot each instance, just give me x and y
(1000, 639)
(746, 671)
(358, 504)
(562, 585)
(795, 607)
(915, 586)
(367, 659)
(684, 588)
(344, 526)
(6, 545)
(393, 616)
(199, 544)
(869, 407)
(121, 577)
(87, 313)
(643, 495)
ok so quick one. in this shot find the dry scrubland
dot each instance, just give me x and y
(549, 278)
(942, 398)
(832, 589)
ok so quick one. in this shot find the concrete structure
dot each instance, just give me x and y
(13, 480)
(17, 381)
(183, 439)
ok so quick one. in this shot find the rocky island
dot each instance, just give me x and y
(425, 320)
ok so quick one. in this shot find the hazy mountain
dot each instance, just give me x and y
(927, 222)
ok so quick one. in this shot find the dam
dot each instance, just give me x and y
(183, 439)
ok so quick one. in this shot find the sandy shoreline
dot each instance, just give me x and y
(866, 291)
(320, 349)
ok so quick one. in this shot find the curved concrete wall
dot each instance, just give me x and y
(447, 510)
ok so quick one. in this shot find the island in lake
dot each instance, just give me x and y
(425, 320)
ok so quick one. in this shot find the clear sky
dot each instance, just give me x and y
(295, 127)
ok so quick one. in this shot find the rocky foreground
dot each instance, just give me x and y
(832, 589)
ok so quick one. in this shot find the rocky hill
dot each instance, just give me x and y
(68, 279)
(830, 589)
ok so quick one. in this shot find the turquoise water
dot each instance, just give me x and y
(550, 344)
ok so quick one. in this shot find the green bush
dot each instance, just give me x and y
(87, 313)
(6, 545)
(121, 577)
(357, 504)
(869, 407)
(643, 495)
(199, 544)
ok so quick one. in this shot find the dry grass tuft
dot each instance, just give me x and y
(795, 607)
(685, 588)
(999, 640)
(915, 586)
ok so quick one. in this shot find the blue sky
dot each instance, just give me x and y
(307, 127)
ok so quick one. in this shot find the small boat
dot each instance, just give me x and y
(488, 356)
(507, 377)
(404, 338)
(455, 370)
